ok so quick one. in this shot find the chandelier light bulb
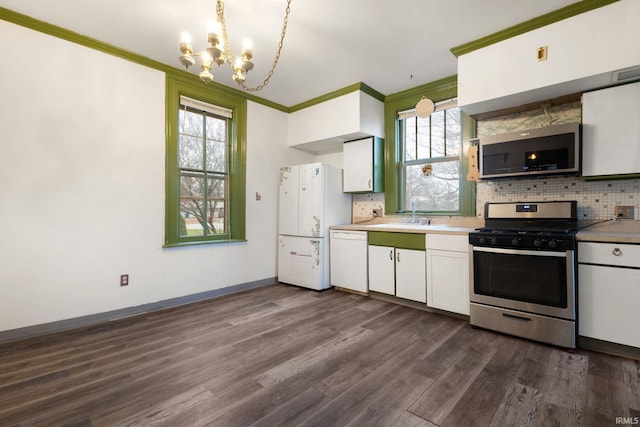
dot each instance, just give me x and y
(186, 38)
(247, 45)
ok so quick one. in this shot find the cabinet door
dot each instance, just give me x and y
(611, 131)
(382, 269)
(358, 166)
(411, 275)
(448, 280)
(608, 304)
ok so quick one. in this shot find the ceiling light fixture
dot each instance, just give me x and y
(219, 52)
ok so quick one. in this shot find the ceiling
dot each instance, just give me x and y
(330, 44)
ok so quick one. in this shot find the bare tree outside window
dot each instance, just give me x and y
(431, 161)
(202, 159)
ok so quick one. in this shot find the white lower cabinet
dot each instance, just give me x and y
(382, 269)
(398, 268)
(608, 293)
(411, 275)
(448, 272)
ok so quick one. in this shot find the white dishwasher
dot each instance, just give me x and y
(348, 253)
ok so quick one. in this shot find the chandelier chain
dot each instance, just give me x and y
(231, 58)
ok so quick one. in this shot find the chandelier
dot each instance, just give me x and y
(218, 52)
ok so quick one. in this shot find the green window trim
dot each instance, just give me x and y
(193, 88)
(439, 90)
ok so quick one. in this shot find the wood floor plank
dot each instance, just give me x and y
(520, 407)
(287, 356)
(436, 403)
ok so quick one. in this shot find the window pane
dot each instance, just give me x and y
(436, 192)
(190, 123)
(216, 208)
(216, 128)
(410, 138)
(192, 204)
(454, 133)
(424, 138)
(216, 155)
(190, 152)
(437, 134)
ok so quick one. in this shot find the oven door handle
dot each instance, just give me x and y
(520, 252)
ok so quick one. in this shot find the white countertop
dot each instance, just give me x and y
(439, 226)
(614, 231)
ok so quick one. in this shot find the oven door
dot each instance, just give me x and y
(541, 282)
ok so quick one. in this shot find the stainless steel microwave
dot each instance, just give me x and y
(542, 151)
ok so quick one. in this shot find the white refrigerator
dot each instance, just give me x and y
(310, 200)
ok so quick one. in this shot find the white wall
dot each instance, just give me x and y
(583, 50)
(82, 167)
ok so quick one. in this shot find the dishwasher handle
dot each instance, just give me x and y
(348, 235)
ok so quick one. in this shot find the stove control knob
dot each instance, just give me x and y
(553, 244)
(537, 243)
(482, 240)
(515, 241)
(494, 241)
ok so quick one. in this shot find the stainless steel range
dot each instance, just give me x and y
(524, 266)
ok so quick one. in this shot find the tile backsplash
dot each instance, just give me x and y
(596, 199)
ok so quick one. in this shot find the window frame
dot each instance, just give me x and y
(217, 96)
(440, 90)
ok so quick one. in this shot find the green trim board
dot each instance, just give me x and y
(71, 36)
(532, 24)
(336, 94)
(192, 88)
(398, 240)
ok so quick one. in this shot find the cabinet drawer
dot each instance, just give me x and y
(448, 242)
(623, 255)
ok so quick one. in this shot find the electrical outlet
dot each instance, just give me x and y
(625, 212)
(377, 212)
(124, 280)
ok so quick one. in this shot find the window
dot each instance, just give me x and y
(203, 140)
(426, 159)
(205, 175)
(431, 158)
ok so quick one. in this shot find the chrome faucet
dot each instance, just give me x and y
(413, 212)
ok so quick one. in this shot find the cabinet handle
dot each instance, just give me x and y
(369, 183)
(617, 251)
(391, 255)
(398, 256)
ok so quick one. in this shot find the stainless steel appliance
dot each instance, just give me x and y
(542, 151)
(523, 279)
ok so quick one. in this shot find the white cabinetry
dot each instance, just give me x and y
(323, 127)
(448, 272)
(611, 131)
(363, 166)
(410, 275)
(397, 265)
(609, 291)
(382, 273)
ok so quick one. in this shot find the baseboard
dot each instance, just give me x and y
(608, 347)
(93, 319)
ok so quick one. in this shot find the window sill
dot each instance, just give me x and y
(203, 242)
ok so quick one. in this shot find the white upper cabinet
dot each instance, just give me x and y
(583, 53)
(611, 131)
(363, 163)
(323, 127)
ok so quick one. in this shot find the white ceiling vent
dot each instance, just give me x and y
(626, 74)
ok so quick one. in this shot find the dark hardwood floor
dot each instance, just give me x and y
(284, 356)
